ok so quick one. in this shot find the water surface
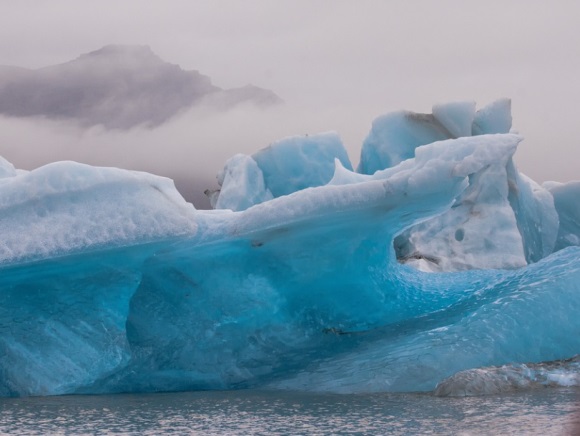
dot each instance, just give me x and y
(548, 411)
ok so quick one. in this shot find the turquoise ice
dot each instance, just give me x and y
(111, 282)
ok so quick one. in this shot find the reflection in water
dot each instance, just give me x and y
(542, 412)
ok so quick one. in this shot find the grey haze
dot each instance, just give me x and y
(118, 87)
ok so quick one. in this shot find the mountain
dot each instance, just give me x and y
(118, 87)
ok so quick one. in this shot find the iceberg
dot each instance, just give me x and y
(510, 378)
(442, 264)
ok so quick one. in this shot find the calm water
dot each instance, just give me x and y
(543, 412)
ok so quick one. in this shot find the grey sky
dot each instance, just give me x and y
(337, 64)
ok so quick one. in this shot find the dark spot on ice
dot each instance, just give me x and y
(416, 255)
(340, 332)
(334, 331)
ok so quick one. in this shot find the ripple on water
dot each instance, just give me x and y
(543, 411)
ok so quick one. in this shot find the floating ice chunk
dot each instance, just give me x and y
(496, 117)
(457, 117)
(394, 137)
(508, 378)
(242, 184)
(480, 230)
(567, 203)
(66, 207)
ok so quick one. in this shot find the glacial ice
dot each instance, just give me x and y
(394, 137)
(286, 166)
(566, 200)
(502, 220)
(496, 117)
(67, 207)
(479, 231)
(242, 184)
(456, 117)
(308, 276)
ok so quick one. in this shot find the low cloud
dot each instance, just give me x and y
(117, 87)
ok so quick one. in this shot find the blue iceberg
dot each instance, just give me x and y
(436, 266)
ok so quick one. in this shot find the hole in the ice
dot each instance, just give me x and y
(459, 234)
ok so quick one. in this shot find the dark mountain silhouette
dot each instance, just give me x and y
(118, 87)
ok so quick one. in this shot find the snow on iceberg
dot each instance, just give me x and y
(67, 207)
(112, 283)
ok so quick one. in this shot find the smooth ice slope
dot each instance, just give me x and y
(110, 282)
(504, 317)
(62, 322)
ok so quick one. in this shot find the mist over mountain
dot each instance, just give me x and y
(118, 87)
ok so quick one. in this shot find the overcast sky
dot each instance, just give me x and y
(337, 64)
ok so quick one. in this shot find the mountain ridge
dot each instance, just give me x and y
(118, 87)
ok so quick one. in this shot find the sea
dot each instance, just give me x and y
(541, 411)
